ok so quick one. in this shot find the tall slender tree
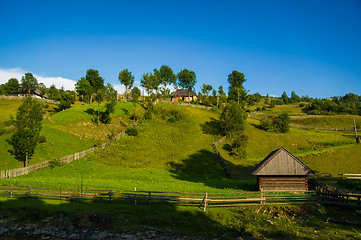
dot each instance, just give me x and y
(29, 82)
(236, 89)
(187, 79)
(28, 125)
(127, 79)
(167, 77)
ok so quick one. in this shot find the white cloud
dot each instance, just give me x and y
(18, 73)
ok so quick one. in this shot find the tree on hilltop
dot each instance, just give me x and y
(29, 82)
(187, 79)
(127, 79)
(236, 89)
(28, 124)
(167, 77)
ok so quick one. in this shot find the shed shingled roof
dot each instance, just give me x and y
(281, 162)
(183, 93)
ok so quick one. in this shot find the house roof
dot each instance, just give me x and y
(183, 93)
(281, 162)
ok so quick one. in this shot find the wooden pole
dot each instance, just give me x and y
(357, 137)
(205, 202)
(135, 196)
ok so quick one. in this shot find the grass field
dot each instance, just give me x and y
(175, 154)
(335, 121)
(66, 132)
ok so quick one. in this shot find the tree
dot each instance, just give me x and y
(147, 82)
(236, 89)
(28, 124)
(95, 80)
(84, 89)
(29, 82)
(206, 89)
(285, 98)
(12, 86)
(127, 79)
(54, 93)
(278, 123)
(295, 97)
(42, 89)
(233, 119)
(187, 79)
(110, 93)
(135, 94)
(167, 77)
(99, 97)
(221, 91)
(67, 98)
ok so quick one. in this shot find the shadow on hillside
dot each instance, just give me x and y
(84, 219)
(205, 167)
(90, 111)
(212, 127)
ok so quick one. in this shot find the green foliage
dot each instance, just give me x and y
(67, 98)
(135, 93)
(95, 80)
(29, 82)
(84, 90)
(348, 104)
(28, 124)
(12, 86)
(279, 124)
(127, 79)
(236, 90)
(110, 93)
(285, 98)
(233, 119)
(187, 79)
(54, 93)
(238, 147)
(354, 184)
(132, 131)
(167, 77)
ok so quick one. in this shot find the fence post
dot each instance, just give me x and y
(135, 196)
(205, 202)
(110, 194)
(29, 190)
(11, 190)
(263, 197)
(149, 197)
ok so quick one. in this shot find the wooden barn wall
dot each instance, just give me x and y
(281, 183)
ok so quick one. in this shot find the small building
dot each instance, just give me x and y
(280, 171)
(182, 95)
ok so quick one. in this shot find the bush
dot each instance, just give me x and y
(42, 139)
(132, 132)
(55, 163)
(280, 124)
(238, 146)
(174, 116)
(233, 119)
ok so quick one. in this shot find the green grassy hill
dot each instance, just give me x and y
(173, 152)
(66, 132)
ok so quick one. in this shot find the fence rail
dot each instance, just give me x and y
(221, 159)
(326, 196)
(203, 200)
(336, 176)
(314, 127)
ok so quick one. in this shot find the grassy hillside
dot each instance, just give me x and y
(166, 155)
(66, 132)
(335, 121)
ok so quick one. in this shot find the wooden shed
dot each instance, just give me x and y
(280, 171)
(182, 95)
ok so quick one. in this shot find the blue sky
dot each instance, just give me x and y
(310, 47)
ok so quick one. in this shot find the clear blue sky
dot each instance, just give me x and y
(310, 47)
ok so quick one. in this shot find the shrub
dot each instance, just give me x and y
(174, 116)
(233, 119)
(238, 146)
(280, 124)
(42, 139)
(132, 132)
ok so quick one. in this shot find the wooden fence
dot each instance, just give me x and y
(67, 159)
(188, 105)
(63, 160)
(313, 127)
(326, 196)
(321, 176)
(22, 96)
(202, 200)
(221, 159)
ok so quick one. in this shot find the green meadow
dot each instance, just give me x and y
(172, 151)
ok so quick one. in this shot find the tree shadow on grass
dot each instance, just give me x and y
(90, 111)
(205, 167)
(84, 219)
(212, 127)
